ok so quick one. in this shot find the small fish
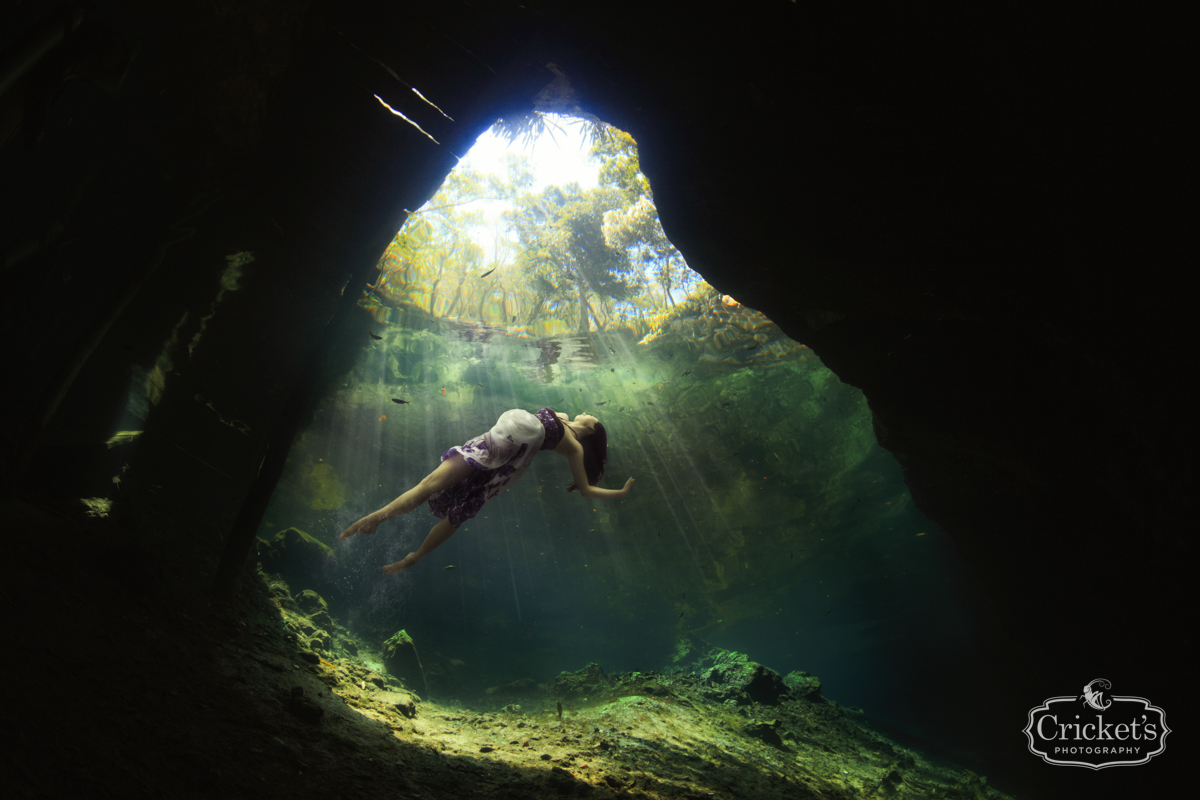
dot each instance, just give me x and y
(448, 566)
(601, 403)
(649, 403)
(373, 336)
(614, 352)
(612, 370)
(622, 408)
(681, 614)
(489, 272)
(381, 419)
(480, 385)
(922, 533)
(689, 372)
(726, 404)
(830, 611)
(401, 402)
(443, 390)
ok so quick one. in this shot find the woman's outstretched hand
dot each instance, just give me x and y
(628, 486)
(367, 524)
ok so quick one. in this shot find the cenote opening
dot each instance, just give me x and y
(765, 521)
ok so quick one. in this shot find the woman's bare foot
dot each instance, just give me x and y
(403, 564)
(366, 525)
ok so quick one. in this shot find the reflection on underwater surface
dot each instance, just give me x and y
(766, 518)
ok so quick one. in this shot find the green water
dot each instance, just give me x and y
(765, 517)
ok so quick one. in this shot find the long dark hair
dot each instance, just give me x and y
(595, 456)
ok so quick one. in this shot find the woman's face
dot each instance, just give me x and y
(585, 421)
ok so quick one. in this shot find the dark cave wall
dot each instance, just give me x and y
(973, 216)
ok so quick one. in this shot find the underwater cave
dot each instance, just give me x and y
(908, 454)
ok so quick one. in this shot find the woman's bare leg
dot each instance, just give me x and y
(451, 471)
(438, 534)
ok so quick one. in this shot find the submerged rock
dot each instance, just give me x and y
(590, 680)
(730, 675)
(315, 608)
(803, 685)
(298, 558)
(747, 682)
(767, 732)
(401, 659)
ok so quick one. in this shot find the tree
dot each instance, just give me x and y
(564, 253)
(635, 226)
(619, 165)
(436, 247)
(637, 230)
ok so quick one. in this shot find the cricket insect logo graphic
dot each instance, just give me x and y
(1095, 698)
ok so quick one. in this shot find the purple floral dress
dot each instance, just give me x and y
(500, 457)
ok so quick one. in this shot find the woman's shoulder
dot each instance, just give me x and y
(568, 444)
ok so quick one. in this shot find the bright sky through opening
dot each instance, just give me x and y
(557, 160)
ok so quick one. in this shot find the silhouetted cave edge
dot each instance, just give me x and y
(960, 191)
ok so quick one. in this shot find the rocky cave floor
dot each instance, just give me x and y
(122, 683)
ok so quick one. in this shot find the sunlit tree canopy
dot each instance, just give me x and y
(555, 260)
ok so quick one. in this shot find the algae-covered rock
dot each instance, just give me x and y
(308, 634)
(401, 659)
(298, 558)
(766, 731)
(803, 685)
(696, 657)
(311, 603)
(747, 682)
(590, 680)
(315, 608)
(731, 675)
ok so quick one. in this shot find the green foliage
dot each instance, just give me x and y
(563, 251)
(570, 260)
(434, 261)
(619, 165)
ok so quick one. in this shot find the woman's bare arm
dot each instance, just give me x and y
(575, 459)
(607, 494)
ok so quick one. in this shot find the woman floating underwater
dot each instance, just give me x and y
(476, 472)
